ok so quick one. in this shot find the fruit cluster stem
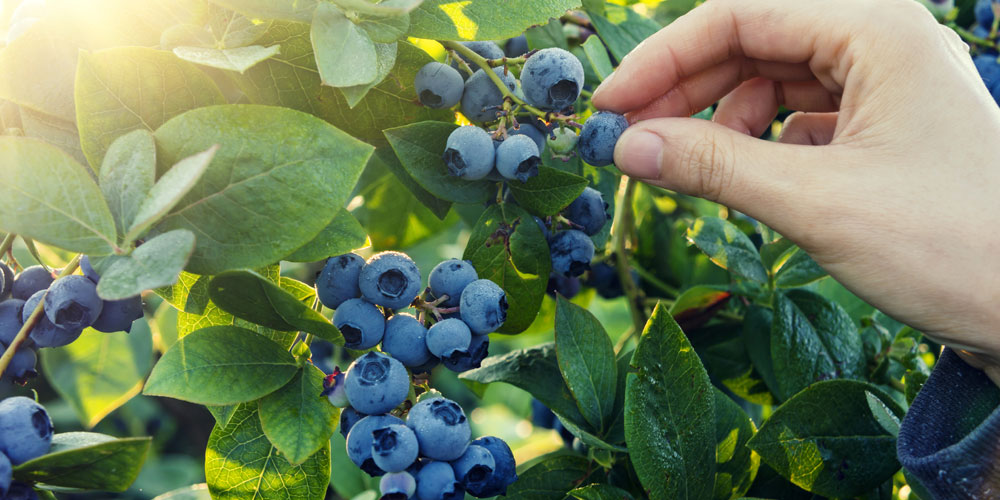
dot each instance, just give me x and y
(8, 242)
(624, 229)
(484, 63)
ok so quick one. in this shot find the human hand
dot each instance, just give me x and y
(890, 179)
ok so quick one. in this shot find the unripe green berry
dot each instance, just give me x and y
(562, 140)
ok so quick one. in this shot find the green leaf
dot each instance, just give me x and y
(771, 254)
(169, 190)
(298, 419)
(419, 148)
(193, 492)
(826, 440)
(812, 339)
(590, 439)
(254, 206)
(221, 365)
(396, 218)
(736, 465)
(127, 175)
(49, 197)
(885, 417)
(345, 54)
(385, 157)
(385, 60)
(798, 269)
(587, 362)
(551, 478)
(599, 492)
(231, 30)
(235, 59)
(546, 35)
(728, 247)
(516, 266)
(252, 297)
(622, 29)
(291, 10)
(189, 294)
(385, 29)
(549, 192)
(597, 55)
(756, 335)
(669, 414)
(156, 263)
(99, 372)
(481, 19)
(128, 88)
(343, 234)
(86, 460)
(241, 463)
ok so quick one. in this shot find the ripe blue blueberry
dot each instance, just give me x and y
(22, 365)
(334, 389)
(21, 491)
(571, 252)
(562, 140)
(6, 472)
(436, 481)
(6, 281)
(469, 154)
(428, 366)
(441, 428)
(518, 158)
(552, 79)
(481, 99)
(394, 447)
(439, 86)
(541, 415)
(450, 278)
(348, 417)
(10, 319)
(488, 50)
(989, 71)
(449, 338)
(984, 13)
(589, 211)
(397, 486)
(361, 323)
(406, 340)
(529, 130)
(360, 438)
(478, 350)
(25, 429)
(31, 280)
(72, 302)
(504, 468)
(338, 281)
(516, 47)
(560, 284)
(46, 334)
(483, 306)
(390, 279)
(88, 269)
(376, 383)
(118, 315)
(474, 468)
(599, 136)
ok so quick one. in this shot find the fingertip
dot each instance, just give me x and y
(639, 153)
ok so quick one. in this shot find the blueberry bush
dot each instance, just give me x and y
(359, 249)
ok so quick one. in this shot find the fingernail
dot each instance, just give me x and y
(605, 83)
(639, 154)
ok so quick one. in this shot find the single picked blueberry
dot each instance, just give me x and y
(483, 306)
(589, 210)
(599, 136)
(529, 130)
(390, 279)
(44, 333)
(376, 383)
(338, 281)
(481, 99)
(72, 302)
(478, 350)
(360, 438)
(22, 365)
(448, 338)
(436, 481)
(406, 340)
(394, 447)
(488, 50)
(552, 79)
(504, 468)
(6, 281)
(450, 278)
(469, 153)
(88, 269)
(348, 417)
(6, 473)
(474, 468)
(397, 486)
(571, 252)
(25, 429)
(118, 315)
(361, 323)
(518, 158)
(10, 319)
(441, 427)
(30, 281)
(439, 86)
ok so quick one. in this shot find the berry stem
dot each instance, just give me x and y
(8, 242)
(623, 230)
(969, 37)
(483, 63)
(657, 282)
(33, 250)
(22, 334)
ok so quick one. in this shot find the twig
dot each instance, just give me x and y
(624, 227)
(483, 63)
(8, 242)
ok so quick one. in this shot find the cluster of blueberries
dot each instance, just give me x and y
(987, 62)
(71, 304)
(25, 434)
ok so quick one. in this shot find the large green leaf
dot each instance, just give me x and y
(99, 372)
(343, 234)
(549, 192)
(127, 174)
(599, 491)
(345, 54)
(154, 264)
(798, 269)
(827, 441)
(597, 56)
(296, 10)
(169, 190)
(385, 60)
(756, 335)
(298, 419)
(53, 130)
(385, 157)
(394, 216)
(481, 19)
(736, 465)
(587, 362)
(49, 197)
(240, 463)
(670, 414)
(622, 29)
(87, 460)
(234, 59)
(551, 478)
(509, 249)
(221, 365)
(728, 247)
(278, 179)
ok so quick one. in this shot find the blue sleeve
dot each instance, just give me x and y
(950, 437)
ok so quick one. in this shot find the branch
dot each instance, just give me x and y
(483, 63)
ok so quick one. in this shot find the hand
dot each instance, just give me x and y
(889, 174)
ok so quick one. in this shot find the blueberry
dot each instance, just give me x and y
(478, 350)
(564, 433)
(567, 286)
(31, 280)
(604, 278)
(22, 365)
(6, 281)
(397, 486)
(469, 154)
(481, 99)
(516, 47)
(541, 415)
(376, 383)
(438, 85)
(25, 429)
(571, 252)
(589, 211)
(338, 281)
(483, 306)
(436, 481)
(518, 158)
(118, 315)
(21, 491)
(449, 338)
(390, 279)
(488, 50)
(88, 270)
(504, 468)
(536, 135)
(44, 333)
(334, 389)
(984, 13)
(6, 471)
(474, 468)
(348, 417)
(598, 138)
(428, 366)
(450, 278)
(552, 79)
(360, 438)
(361, 323)
(989, 71)
(544, 227)
(72, 302)
(406, 340)
(10, 319)
(441, 428)
(562, 140)
(394, 447)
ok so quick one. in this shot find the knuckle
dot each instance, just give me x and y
(710, 167)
